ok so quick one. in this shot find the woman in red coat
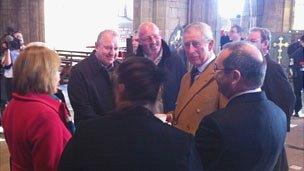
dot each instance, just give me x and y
(33, 122)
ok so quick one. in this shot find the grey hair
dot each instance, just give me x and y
(203, 28)
(101, 34)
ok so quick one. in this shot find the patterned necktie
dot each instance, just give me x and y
(194, 72)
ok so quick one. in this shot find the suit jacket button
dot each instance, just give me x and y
(198, 110)
(188, 127)
(174, 122)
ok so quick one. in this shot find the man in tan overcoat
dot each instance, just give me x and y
(198, 95)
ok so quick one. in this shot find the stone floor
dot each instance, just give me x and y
(295, 144)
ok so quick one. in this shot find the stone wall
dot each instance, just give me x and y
(26, 16)
(166, 14)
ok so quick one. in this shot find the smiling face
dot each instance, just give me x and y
(197, 48)
(150, 39)
(106, 48)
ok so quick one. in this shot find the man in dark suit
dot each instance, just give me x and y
(90, 87)
(296, 54)
(131, 137)
(249, 133)
(276, 85)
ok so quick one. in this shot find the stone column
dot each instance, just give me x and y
(206, 11)
(26, 16)
(274, 15)
(166, 14)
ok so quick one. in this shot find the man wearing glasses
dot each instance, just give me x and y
(249, 133)
(276, 85)
(198, 95)
(153, 47)
(90, 88)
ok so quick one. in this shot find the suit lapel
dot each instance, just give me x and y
(199, 84)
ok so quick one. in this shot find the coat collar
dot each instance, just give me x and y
(248, 97)
(96, 65)
(41, 98)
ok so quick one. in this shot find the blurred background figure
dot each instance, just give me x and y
(135, 42)
(296, 55)
(235, 33)
(224, 38)
(34, 122)
(11, 45)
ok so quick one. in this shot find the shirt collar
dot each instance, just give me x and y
(245, 92)
(157, 60)
(209, 60)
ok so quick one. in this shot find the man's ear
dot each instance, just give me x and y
(211, 45)
(236, 76)
(266, 45)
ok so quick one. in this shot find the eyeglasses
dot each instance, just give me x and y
(195, 44)
(216, 68)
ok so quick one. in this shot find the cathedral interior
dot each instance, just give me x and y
(284, 18)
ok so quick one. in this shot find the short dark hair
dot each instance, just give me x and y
(252, 70)
(142, 79)
(237, 27)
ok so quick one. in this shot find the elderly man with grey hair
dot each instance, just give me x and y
(90, 88)
(198, 95)
(249, 133)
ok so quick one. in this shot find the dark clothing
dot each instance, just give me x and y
(90, 89)
(224, 39)
(133, 139)
(296, 52)
(278, 89)
(248, 134)
(174, 70)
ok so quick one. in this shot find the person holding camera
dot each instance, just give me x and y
(11, 45)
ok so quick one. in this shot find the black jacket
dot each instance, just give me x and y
(132, 139)
(248, 134)
(278, 89)
(174, 70)
(90, 89)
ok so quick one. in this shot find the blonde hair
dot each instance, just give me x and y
(36, 69)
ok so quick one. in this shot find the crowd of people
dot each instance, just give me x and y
(230, 111)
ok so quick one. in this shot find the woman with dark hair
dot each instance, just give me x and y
(33, 121)
(131, 137)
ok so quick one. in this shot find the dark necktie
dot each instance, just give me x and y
(194, 72)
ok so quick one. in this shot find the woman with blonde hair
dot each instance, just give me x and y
(33, 121)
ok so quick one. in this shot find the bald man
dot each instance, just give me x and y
(249, 133)
(153, 47)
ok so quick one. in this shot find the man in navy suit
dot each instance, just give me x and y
(249, 133)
